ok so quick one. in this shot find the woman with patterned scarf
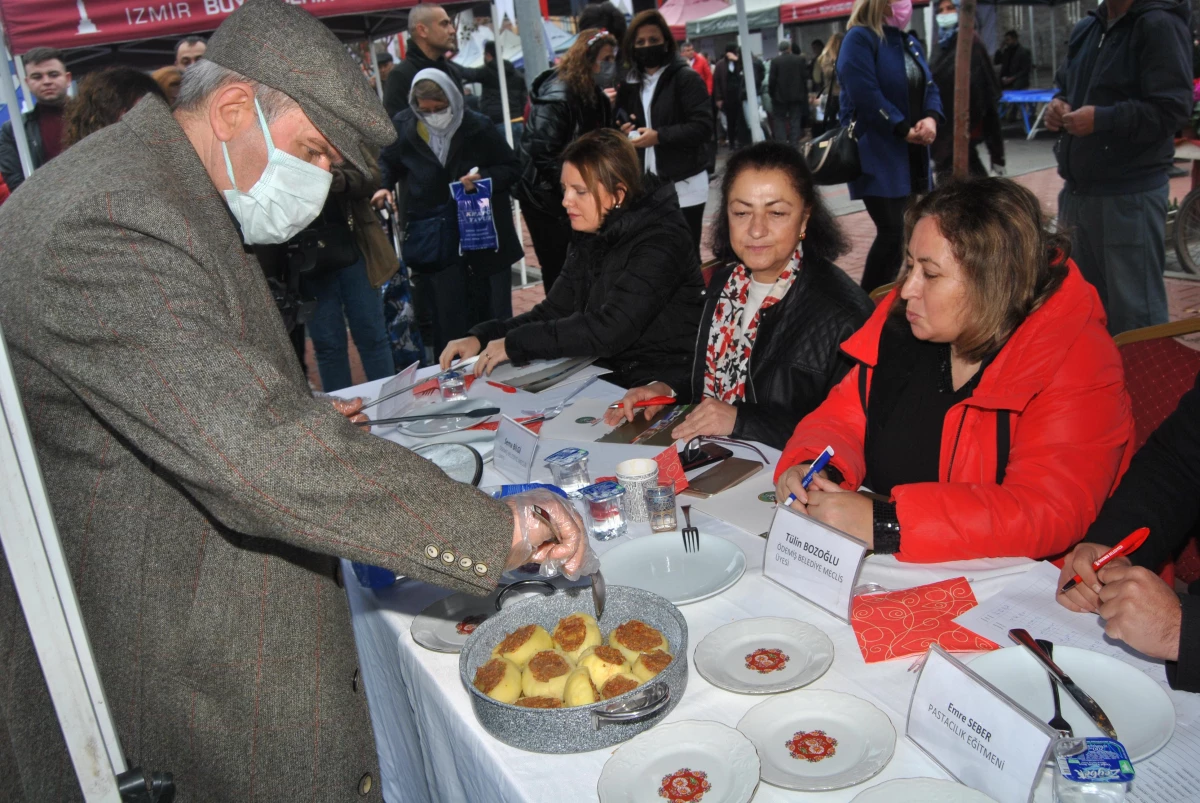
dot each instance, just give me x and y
(767, 351)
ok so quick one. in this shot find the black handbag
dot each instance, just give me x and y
(833, 157)
(431, 241)
(326, 246)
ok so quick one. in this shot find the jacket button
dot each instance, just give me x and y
(354, 681)
(432, 551)
(447, 557)
(464, 563)
(481, 569)
(365, 784)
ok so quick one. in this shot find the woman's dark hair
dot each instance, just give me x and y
(823, 237)
(606, 158)
(1009, 258)
(575, 67)
(103, 97)
(648, 17)
(603, 15)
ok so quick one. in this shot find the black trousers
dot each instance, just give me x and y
(887, 252)
(694, 215)
(551, 237)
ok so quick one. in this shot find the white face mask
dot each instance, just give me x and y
(439, 120)
(286, 198)
(947, 20)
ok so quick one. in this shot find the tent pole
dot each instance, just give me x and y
(930, 31)
(506, 110)
(8, 96)
(1053, 44)
(756, 133)
(533, 39)
(26, 103)
(962, 87)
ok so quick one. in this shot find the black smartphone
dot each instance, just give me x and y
(623, 117)
(709, 453)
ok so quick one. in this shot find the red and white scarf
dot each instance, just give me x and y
(727, 355)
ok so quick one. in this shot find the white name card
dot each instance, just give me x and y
(814, 560)
(515, 449)
(397, 405)
(976, 732)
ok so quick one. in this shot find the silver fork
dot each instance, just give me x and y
(1058, 722)
(691, 535)
(550, 412)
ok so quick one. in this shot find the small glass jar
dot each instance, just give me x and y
(453, 385)
(660, 504)
(1091, 770)
(605, 509)
(569, 467)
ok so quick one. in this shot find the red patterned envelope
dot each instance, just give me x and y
(670, 470)
(899, 624)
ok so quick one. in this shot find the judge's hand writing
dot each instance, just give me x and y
(1139, 609)
(627, 412)
(461, 349)
(709, 417)
(790, 483)
(850, 512)
(1085, 596)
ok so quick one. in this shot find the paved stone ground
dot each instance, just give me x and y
(1035, 157)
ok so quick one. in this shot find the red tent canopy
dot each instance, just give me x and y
(816, 10)
(88, 23)
(679, 12)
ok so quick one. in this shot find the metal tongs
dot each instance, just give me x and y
(599, 588)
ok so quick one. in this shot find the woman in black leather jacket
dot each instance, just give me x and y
(565, 102)
(670, 112)
(631, 293)
(767, 352)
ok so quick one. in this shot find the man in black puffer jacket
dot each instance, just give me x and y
(1125, 89)
(431, 33)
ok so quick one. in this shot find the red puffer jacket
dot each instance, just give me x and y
(1060, 381)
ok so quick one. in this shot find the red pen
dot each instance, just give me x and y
(1128, 544)
(657, 400)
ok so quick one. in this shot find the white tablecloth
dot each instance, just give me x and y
(431, 747)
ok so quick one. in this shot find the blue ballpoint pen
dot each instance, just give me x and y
(822, 460)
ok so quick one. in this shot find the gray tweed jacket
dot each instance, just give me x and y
(201, 493)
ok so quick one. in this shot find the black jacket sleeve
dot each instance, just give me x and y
(547, 132)
(1165, 73)
(395, 89)
(558, 303)
(634, 300)
(10, 159)
(486, 75)
(391, 169)
(1022, 63)
(696, 126)
(1161, 490)
(496, 160)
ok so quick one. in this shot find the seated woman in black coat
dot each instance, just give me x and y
(768, 353)
(630, 292)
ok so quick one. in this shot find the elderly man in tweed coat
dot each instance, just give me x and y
(201, 492)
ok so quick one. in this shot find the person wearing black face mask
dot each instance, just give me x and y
(667, 114)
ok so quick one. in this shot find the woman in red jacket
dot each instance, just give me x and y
(988, 406)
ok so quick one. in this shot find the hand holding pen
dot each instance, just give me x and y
(1081, 585)
(814, 469)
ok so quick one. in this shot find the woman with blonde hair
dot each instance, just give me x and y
(565, 102)
(828, 95)
(987, 409)
(889, 93)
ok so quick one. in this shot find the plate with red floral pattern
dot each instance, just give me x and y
(763, 656)
(816, 740)
(692, 761)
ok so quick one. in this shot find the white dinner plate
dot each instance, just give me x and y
(816, 740)
(446, 625)
(1136, 705)
(763, 656)
(658, 563)
(676, 762)
(921, 790)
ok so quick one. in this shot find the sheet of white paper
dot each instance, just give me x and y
(566, 426)
(1028, 601)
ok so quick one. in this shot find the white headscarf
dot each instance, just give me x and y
(439, 138)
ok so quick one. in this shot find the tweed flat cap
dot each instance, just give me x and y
(286, 48)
